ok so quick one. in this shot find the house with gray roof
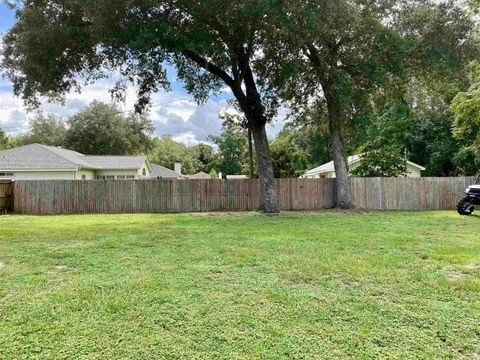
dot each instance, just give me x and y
(160, 172)
(327, 170)
(200, 175)
(42, 162)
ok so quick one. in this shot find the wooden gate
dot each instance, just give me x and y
(6, 195)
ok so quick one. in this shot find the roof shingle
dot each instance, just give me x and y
(162, 172)
(115, 162)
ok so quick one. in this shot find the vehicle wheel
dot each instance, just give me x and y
(465, 207)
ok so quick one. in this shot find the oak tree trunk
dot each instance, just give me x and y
(268, 195)
(343, 192)
(250, 153)
(251, 104)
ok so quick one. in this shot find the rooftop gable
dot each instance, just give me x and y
(163, 172)
(353, 159)
(329, 166)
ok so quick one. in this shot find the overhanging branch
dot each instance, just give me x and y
(210, 67)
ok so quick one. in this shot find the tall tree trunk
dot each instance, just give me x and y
(250, 153)
(250, 103)
(343, 193)
(268, 196)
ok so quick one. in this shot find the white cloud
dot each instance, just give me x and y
(226, 90)
(203, 121)
(13, 118)
(16, 122)
(187, 138)
(182, 108)
(276, 125)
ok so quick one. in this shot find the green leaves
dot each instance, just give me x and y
(232, 146)
(381, 163)
(166, 152)
(466, 109)
(102, 129)
(45, 129)
(6, 142)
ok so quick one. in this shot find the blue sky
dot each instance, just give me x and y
(181, 117)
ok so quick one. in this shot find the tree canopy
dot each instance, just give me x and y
(466, 125)
(381, 163)
(102, 129)
(6, 142)
(166, 152)
(45, 129)
(336, 55)
(232, 147)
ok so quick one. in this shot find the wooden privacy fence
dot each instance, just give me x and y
(129, 196)
(6, 190)
(430, 193)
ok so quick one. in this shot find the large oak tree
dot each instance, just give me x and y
(334, 54)
(212, 43)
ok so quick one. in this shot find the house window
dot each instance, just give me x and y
(130, 176)
(110, 177)
(6, 174)
(84, 177)
(100, 177)
(144, 172)
(120, 177)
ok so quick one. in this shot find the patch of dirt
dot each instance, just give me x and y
(60, 267)
(2, 264)
(455, 275)
(221, 213)
(472, 266)
(356, 211)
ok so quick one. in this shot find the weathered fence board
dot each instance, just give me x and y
(6, 191)
(429, 193)
(129, 196)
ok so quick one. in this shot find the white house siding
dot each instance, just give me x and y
(40, 175)
(115, 173)
(412, 172)
(72, 174)
(136, 173)
(88, 174)
(329, 174)
(147, 171)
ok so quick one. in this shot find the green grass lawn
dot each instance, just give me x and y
(299, 285)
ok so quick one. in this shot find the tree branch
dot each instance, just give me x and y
(312, 54)
(212, 68)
